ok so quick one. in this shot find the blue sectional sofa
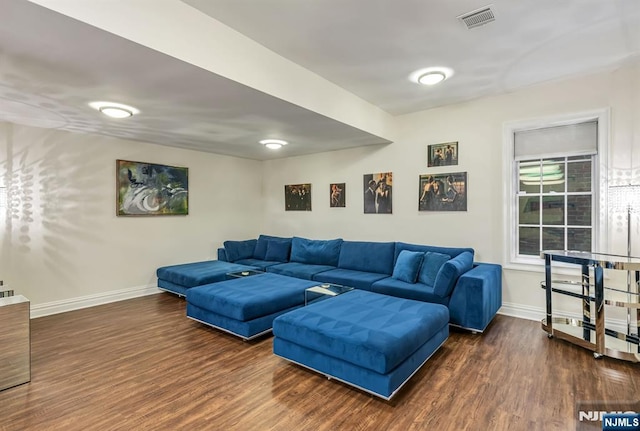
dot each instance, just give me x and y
(472, 291)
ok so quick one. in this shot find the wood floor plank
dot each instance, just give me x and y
(141, 364)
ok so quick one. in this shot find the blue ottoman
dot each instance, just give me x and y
(246, 306)
(179, 278)
(372, 341)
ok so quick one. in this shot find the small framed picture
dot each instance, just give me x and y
(442, 154)
(297, 197)
(442, 192)
(337, 194)
(378, 193)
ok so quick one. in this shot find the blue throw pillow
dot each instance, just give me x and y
(260, 252)
(407, 266)
(237, 250)
(450, 271)
(315, 251)
(430, 266)
(278, 250)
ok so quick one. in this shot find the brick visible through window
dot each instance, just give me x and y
(555, 201)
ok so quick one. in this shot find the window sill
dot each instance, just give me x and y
(558, 268)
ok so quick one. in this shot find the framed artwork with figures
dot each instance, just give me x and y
(378, 193)
(337, 194)
(442, 192)
(297, 197)
(442, 154)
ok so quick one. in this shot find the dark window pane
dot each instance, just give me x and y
(530, 187)
(553, 238)
(543, 220)
(553, 176)
(529, 210)
(582, 157)
(529, 177)
(579, 210)
(529, 241)
(579, 177)
(553, 210)
(579, 239)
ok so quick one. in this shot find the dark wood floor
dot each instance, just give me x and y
(142, 365)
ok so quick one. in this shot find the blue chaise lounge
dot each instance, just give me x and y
(180, 278)
(372, 341)
(246, 306)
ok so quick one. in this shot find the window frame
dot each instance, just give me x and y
(511, 259)
(565, 194)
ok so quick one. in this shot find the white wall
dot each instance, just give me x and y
(478, 127)
(62, 242)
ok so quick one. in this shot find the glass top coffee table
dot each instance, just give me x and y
(324, 291)
(241, 274)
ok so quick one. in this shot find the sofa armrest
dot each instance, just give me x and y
(222, 255)
(477, 297)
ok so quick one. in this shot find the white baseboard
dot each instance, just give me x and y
(71, 304)
(522, 311)
(508, 309)
(536, 313)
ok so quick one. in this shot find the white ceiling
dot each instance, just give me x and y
(52, 65)
(370, 47)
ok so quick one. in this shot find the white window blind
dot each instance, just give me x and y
(575, 139)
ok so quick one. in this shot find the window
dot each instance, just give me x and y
(555, 205)
(555, 185)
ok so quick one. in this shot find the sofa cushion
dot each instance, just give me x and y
(257, 263)
(260, 250)
(418, 291)
(367, 256)
(299, 270)
(199, 273)
(315, 252)
(278, 250)
(451, 251)
(407, 266)
(237, 250)
(450, 271)
(430, 266)
(348, 277)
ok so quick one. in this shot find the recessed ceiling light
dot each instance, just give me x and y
(431, 78)
(273, 144)
(114, 110)
(431, 75)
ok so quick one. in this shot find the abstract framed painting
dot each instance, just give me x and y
(149, 189)
(442, 192)
(297, 197)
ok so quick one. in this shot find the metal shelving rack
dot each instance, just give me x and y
(590, 331)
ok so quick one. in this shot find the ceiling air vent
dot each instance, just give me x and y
(478, 17)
